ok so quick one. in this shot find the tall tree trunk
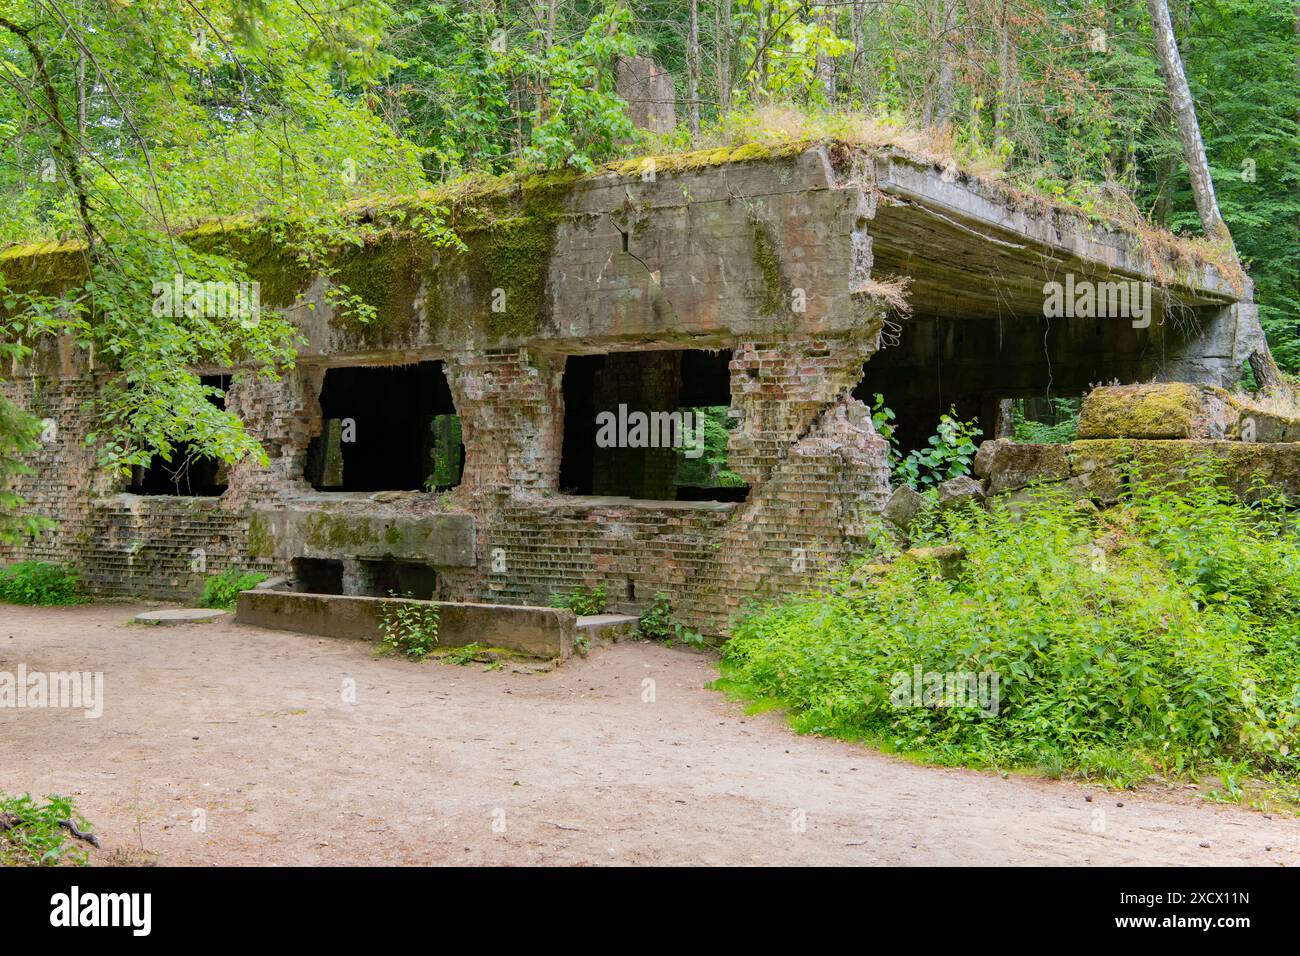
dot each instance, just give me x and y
(693, 71)
(826, 64)
(944, 13)
(1001, 108)
(722, 52)
(1189, 131)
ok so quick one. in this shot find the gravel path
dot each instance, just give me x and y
(223, 744)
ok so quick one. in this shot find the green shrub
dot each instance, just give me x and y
(582, 601)
(409, 628)
(222, 589)
(658, 623)
(950, 452)
(1163, 634)
(36, 582)
(1063, 429)
(36, 834)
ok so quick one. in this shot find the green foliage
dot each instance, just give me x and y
(408, 627)
(950, 452)
(32, 833)
(1061, 431)
(222, 589)
(659, 624)
(1157, 636)
(582, 601)
(447, 454)
(36, 582)
(19, 435)
(489, 87)
(710, 469)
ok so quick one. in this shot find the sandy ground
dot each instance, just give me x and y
(223, 744)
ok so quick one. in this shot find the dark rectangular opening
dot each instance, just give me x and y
(972, 366)
(385, 577)
(185, 474)
(649, 425)
(386, 428)
(318, 575)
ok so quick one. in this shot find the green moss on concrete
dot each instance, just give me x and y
(280, 276)
(1142, 411)
(338, 533)
(509, 237)
(43, 267)
(385, 274)
(260, 542)
(709, 158)
(767, 257)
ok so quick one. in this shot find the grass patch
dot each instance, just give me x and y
(1159, 637)
(36, 582)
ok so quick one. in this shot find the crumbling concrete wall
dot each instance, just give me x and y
(773, 255)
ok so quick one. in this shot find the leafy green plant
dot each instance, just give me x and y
(1062, 430)
(40, 834)
(38, 582)
(222, 589)
(949, 455)
(659, 624)
(949, 452)
(710, 469)
(1157, 636)
(582, 601)
(409, 628)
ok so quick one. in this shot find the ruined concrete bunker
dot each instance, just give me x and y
(766, 281)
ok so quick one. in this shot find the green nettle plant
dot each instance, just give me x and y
(950, 452)
(37, 582)
(582, 601)
(1157, 636)
(658, 623)
(221, 590)
(409, 628)
(40, 834)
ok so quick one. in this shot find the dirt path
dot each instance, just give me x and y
(248, 731)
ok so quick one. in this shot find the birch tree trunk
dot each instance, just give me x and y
(1189, 131)
(946, 23)
(693, 71)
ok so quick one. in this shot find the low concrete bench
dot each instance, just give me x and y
(534, 631)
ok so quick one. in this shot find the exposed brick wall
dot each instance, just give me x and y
(695, 275)
(808, 450)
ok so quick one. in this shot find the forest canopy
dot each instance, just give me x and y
(126, 123)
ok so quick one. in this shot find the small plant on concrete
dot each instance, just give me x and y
(465, 655)
(582, 601)
(36, 582)
(949, 455)
(222, 589)
(409, 628)
(659, 624)
(38, 834)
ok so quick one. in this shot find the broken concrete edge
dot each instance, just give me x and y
(1098, 468)
(541, 632)
(1174, 410)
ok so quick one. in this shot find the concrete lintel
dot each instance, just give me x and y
(441, 540)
